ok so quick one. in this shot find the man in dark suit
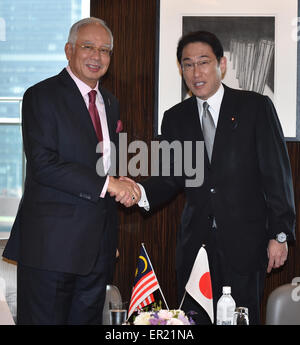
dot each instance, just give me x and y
(244, 210)
(65, 234)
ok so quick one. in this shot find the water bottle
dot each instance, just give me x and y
(225, 307)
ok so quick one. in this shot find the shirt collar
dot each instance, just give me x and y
(214, 101)
(83, 87)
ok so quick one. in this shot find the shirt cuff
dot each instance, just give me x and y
(143, 201)
(104, 189)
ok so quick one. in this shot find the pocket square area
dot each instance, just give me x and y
(119, 126)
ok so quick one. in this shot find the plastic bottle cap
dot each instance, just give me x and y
(226, 289)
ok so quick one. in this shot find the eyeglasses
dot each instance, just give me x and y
(190, 66)
(89, 49)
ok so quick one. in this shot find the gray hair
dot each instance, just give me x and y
(91, 20)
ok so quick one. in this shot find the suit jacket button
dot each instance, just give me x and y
(213, 191)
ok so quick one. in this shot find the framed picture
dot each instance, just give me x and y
(259, 38)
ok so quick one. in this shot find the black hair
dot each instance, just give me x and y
(200, 36)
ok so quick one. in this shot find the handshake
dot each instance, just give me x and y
(125, 190)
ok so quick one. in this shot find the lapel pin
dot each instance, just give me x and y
(234, 121)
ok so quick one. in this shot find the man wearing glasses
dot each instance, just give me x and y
(244, 211)
(65, 234)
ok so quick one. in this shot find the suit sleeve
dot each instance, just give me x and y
(44, 161)
(275, 170)
(161, 189)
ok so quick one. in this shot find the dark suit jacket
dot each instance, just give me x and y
(247, 187)
(62, 224)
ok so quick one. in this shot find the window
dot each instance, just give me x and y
(33, 34)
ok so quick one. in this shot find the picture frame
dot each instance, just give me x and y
(229, 20)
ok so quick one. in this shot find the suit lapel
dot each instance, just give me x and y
(227, 123)
(109, 113)
(77, 105)
(192, 118)
(79, 108)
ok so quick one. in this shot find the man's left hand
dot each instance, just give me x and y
(277, 253)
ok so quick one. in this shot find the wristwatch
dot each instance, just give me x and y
(281, 238)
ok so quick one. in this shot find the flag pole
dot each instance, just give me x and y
(155, 277)
(203, 246)
(182, 300)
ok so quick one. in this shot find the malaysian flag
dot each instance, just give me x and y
(145, 283)
(150, 299)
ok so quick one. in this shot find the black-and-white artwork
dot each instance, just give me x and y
(249, 45)
(260, 40)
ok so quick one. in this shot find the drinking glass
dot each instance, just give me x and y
(240, 316)
(118, 313)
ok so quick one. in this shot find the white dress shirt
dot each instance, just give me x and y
(214, 103)
(84, 90)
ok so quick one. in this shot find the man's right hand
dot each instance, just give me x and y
(125, 191)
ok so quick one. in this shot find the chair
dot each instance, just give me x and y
(112, 295)
(283, 305)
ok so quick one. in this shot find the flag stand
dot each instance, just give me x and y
(156, 278)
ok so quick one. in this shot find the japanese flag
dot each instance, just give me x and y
(199, 284)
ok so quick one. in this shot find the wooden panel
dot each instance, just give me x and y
(132, 79)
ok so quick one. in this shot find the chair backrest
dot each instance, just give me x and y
(112, 295)
(283, 306)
